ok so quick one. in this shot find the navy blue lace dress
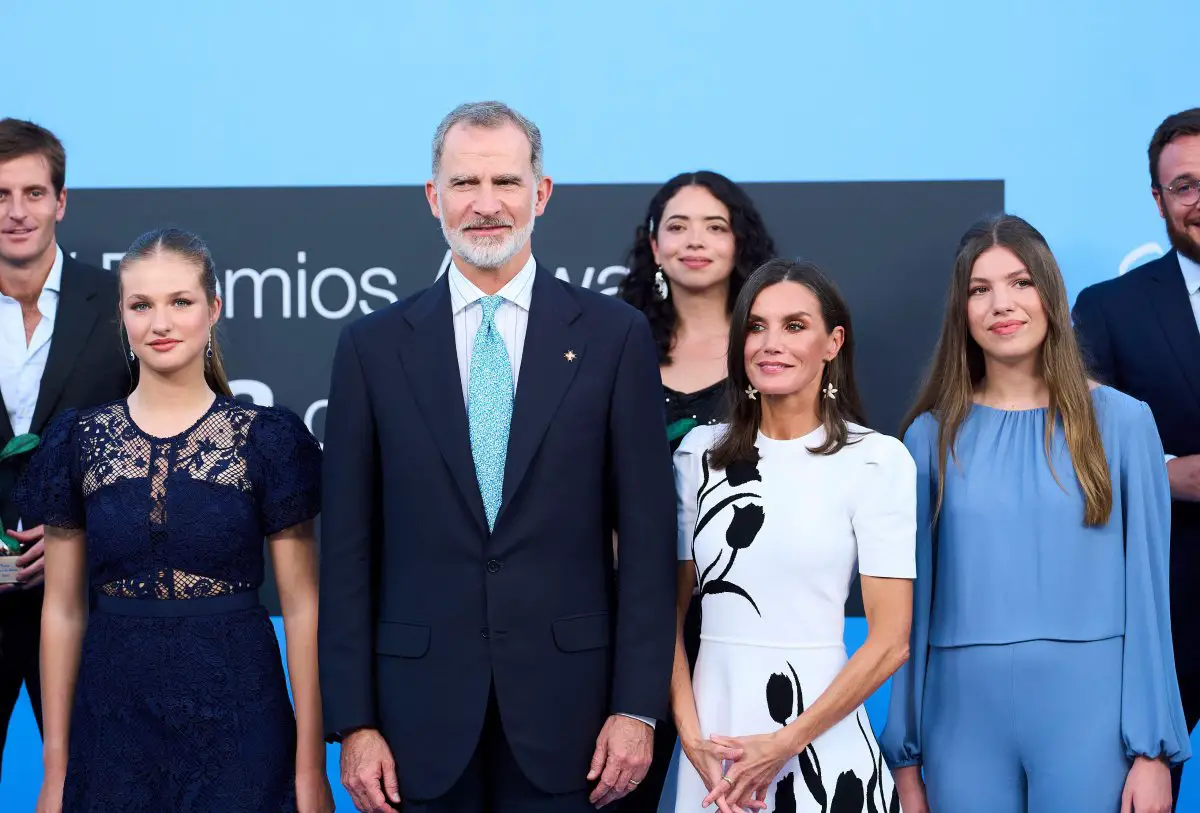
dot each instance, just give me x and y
(180, 703)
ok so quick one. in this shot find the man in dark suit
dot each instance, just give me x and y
(60, 347)
(1141, 332)
(484, 440)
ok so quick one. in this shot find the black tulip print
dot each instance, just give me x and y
(810, 771)
(785, 698)
(740, 473)
(894, 805)
(848, 794)
(785, 794)
(877, 770)
(780, 701)
(810, 765)
(736, 476)
(746, 523)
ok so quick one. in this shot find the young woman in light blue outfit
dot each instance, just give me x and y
(1041, 676)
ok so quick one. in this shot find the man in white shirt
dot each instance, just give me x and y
(1141, 331)
(60, 348)
(484, 440)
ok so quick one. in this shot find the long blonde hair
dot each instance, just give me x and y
(958, 364)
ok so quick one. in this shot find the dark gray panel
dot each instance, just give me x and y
(341, 252)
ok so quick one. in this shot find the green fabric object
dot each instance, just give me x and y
(680, 428)
(18, 445)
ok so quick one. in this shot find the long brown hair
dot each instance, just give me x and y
(190, 247)
(745, 414)
(958, 363)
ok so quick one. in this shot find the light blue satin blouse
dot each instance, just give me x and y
(1011, 560)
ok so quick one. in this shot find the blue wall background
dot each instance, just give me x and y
(1057, 99)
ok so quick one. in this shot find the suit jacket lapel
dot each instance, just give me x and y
(430, 360)
(6, 430)
(74, 319)
(1174, 309)
(546, 373)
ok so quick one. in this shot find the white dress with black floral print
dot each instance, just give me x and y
(776, 545)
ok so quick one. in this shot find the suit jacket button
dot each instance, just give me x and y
(494, 566)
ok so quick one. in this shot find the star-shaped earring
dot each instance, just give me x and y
(569, 355)
(751, 393)
(830, 391)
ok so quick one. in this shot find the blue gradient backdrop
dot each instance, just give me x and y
(1058, 100)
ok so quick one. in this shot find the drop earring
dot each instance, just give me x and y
(208, 350)
(660, 285)
(132, 357)
(830, 391)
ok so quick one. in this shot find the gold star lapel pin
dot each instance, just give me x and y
(569, 355)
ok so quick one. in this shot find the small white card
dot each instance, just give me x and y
(8, 569)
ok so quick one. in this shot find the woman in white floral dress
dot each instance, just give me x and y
(777, 511)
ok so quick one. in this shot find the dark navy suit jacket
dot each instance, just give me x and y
(422, 611)
(87, 365)
(1139, 332)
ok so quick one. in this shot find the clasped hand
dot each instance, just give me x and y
(756, 761)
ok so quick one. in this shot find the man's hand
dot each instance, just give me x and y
(623, 753)
(368, 772)
(1184, 474)
(31, 563)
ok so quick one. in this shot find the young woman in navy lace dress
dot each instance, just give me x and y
(172, 688)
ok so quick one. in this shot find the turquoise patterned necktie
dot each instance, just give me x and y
(489, 407)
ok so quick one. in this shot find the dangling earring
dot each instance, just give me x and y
(208, 351)
(751, 393)
(132, 357)
(660, 285)
(830, 391)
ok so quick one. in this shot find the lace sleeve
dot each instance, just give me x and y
(48, 492)
(287, 462)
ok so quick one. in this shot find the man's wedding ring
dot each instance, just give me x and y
(727, 779)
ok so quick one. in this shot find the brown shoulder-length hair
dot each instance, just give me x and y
(958, 363)
(737, 445)
(191, 248)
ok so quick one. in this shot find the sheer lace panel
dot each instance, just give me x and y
(158, 489)
(172, 584)
(212, 451)
(111, 452)
(114, 449)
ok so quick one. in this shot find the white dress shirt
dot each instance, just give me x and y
(22, 363)
(512, 320)
(1191, 278)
